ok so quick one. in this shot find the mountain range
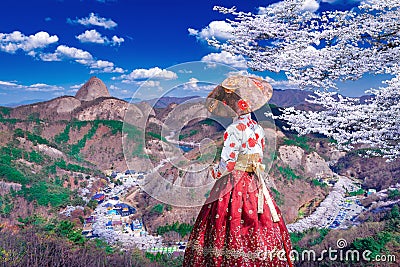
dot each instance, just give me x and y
(94, 88)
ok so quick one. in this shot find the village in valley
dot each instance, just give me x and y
(116, 221)
(115, 218)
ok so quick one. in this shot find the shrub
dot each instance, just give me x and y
(208, 122)
(300, 141)
(45, 194)
(393, 194)
(158, 208)
(36, 139)
(288, 173)
(66, 229)
(373, 243)
(316, 182)
(92, 204)
(35, 157)
(322, 233)
(278, 197)
(19, 133)
(115, 126)
(182, 228)
(6, 206)
(156, 136)
(191, 133)
(71, 167)
(5, 111)
(11, 174)
(63, 137)
(356, 193)
(207, 157)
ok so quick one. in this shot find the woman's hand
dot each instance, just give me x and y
(214, 170)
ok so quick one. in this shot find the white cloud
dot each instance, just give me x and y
(119, 70)
(72, 91)
(82, 57)
(191, 85)
(282, 84)
(57, 94)
(193, 80)
(76, 86)
(8, 84)
(333, 1)
(143, 74)
(105, 66)
(310, 5)
(73, 53)
(113, 87)
(195, 85)
(94, 20)
(236, 61)
(343, 2)
(193, 31)
(38, 87)
(262, 10)
(42, 87)
(149, 83)
(11, 42)
(219, 29)
(93, 36)
(117, 40)
(49, 57)
(185, 71)
(99, 64)
(120, 91)
(244, 73)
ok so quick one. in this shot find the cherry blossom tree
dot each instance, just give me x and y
(375, 123)
(316, 50)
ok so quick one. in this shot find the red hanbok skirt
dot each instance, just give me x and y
(229, 231)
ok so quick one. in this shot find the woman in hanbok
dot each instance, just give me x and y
(240, 224)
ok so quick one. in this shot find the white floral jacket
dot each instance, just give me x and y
(243, 136)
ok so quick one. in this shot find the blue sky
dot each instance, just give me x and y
(49, 48)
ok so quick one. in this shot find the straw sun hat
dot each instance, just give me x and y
(238, 95)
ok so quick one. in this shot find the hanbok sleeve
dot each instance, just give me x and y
(230, 151)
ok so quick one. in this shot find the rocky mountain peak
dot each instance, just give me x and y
(92, 89)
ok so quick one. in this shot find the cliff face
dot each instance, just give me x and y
(313, 164)
(102, 108)
(60, 108)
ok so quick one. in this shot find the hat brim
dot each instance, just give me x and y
(224, 101)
